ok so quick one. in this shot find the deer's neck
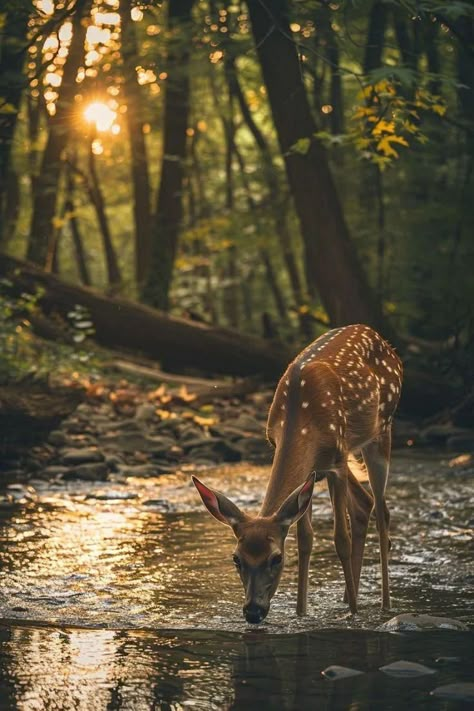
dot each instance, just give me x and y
(293, 462)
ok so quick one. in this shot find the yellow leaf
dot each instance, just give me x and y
(439, 109)
(186, 396)
(385, 145)
(383, 127)
(205, 421)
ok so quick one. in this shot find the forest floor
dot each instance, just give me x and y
(133, 427)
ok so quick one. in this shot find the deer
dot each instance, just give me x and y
(335, 401)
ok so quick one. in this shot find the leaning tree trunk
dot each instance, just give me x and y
(46, 184)
(169, 208)
(12, 82)
(332, 266)
(136, 113)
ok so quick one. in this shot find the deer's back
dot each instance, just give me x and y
(346, 384)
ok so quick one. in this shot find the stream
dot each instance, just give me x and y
(123, 595)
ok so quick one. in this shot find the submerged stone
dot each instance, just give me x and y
(455, 692)
(406, 670)
(336, 672)
(81, 456)
(420, 623)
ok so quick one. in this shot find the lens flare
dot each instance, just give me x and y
(100, 114)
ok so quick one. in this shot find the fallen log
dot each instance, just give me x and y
(177, 343)
(30, 410)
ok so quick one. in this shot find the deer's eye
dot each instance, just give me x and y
(276, 560)
(237, 561)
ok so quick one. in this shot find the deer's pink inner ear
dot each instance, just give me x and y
(307, 487)
(209, 500)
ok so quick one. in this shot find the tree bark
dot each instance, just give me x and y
(135, 116)
(169, 208)
(275, 197)
(78, 244)
(114, 276)
(47, 182)
(375, 37)
(176, 342)
(332, 265)
(12, 82)
(331, 57)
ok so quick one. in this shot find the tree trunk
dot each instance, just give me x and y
(114, 276)
(78, 244)
(372, 180)
(136, 112)
(12, 83)
(169, 208)
(275, 198)
(332, 265)
(177, 342)
(375, 37)
(331, 56)
(47, 182)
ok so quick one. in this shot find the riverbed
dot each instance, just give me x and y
(122, 595)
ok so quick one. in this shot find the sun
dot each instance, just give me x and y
(100, 114)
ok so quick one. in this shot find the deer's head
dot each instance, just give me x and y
(260, 551)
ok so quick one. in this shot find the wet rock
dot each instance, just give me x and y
(255, 449)
(137, 442)
(227, 432)
(463, 692)
(139, 470)
(58, 438)
(114, 462)
(461, 443)
(93, 471)
(217, 450)
(112, 496)
(335, 672)
(160, 505)
(54, 471)
(439, 434)
(145, 412)
(406, 670)
(247, 423)
(81, 456)
(447, 660)
(418, 623)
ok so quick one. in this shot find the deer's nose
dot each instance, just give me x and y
(254, 613)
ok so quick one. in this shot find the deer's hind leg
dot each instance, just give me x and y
(377, 460)
(359, 505)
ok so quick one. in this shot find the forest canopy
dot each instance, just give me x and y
(273, 167)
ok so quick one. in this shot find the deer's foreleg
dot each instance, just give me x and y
(305, 545)
(360, 504)
(337, 484)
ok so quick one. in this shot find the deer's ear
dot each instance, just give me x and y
(219, 505)
(295, 506)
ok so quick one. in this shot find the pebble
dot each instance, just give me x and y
(336, 672)
(93, 471)
(463, 691)
(81, 456)
(411, 622)
(406, 670)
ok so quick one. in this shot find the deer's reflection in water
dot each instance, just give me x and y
(108, 670)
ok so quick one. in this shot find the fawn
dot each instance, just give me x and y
(337, 397)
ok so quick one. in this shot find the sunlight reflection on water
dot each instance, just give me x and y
(143, 553)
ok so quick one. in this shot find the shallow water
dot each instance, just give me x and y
(143, 560)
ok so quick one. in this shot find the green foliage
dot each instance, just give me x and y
(22, 353)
